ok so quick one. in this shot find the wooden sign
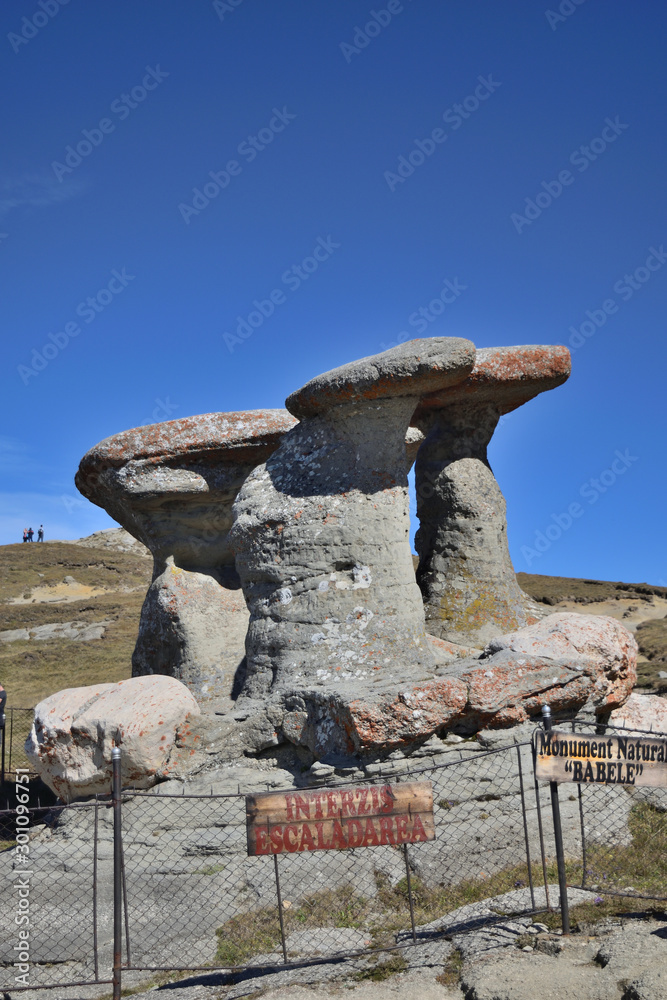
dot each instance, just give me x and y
(607, 760)
(335, 819)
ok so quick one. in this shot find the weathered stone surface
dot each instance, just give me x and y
(465, 572)
(321, 529)
(74, 730)
(566, 661)
(172, 486)
(641, 712)
(76, 631)
(415, 368)
(116, 539)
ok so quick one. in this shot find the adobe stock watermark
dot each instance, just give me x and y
(292, 279)
(624, 288)
(72, 503)
(363, 36)
(591, 491)
(248, 149)
(31, 26)
(88, 310)
(581, 158)
(21, 875)
(420, 319)
(222, 7)
(122, 107)
(454, 117)
(161, 412)
(566, 8)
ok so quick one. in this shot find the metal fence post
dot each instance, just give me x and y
(525, 829)
(558, 836)
(117, 872)
(280, 907)
(95, 845)
(3, 720)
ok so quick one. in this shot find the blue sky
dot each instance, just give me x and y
(169, 166)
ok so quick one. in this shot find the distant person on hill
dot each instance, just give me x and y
(25, 534)
(30, 534)
(40, 533)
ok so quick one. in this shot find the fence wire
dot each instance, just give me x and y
(193, 899)
(18, 724)
(622, 831)
(52, 890)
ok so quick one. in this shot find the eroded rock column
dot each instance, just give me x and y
(321, 529)
(465, 571)
(172, 486)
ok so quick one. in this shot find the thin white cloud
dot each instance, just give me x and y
(35, 191)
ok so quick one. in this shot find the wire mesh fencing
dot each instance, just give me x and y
(55, 866)
(17, 726)
(622, 835)
(173, 886)
(196, 899)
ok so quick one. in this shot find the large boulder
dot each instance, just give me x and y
(75, 729)
(642, 712)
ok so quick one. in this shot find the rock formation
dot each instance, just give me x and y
(465, 571)
(172, 485)
(74, 730)
(338, 656)
(568, 661)
(321, 529)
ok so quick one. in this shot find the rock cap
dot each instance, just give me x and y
(208, 438)
(505, 376)
(414, 368)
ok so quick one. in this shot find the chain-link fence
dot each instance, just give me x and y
(13, 734)
(195, 899)
(622, 827)
(55, 867)
(173, 886)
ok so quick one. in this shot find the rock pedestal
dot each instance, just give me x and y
(172, 485)
(465, 571)
(321, 529)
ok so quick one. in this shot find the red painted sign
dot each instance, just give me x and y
(336, 819)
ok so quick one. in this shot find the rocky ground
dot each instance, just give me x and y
(482, 951)
(69, 616)
(615, 959)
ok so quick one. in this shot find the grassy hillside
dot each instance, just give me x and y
(554, 589)
(117, 582)
(109, 585)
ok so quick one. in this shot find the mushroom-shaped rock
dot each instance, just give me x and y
(465, 571)
(567, 661)
(172, 486)
(74, 731)
(321, 529)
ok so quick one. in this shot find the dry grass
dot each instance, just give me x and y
(258, 931)
(642, 864)
(30, 670)
(451, 970)
(553, 589)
